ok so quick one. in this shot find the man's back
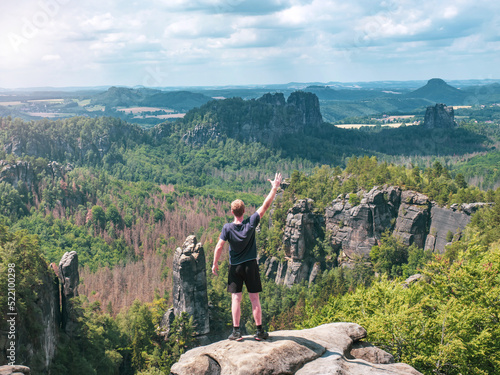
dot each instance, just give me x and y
(241, 238)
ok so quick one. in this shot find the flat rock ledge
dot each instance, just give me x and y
(14, 370)
(323, 350)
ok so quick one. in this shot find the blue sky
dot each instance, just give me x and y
(232, 42)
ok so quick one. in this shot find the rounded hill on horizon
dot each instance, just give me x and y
(438, 91)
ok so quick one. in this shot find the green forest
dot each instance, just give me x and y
(124, 198)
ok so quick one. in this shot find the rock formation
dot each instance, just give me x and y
(14, 173)
(412, 224)
(439, 116)
(333, 348)
(37, 350)
(411, 280)
(95, 140)
(190, 284)
(14, 370)
(266, 119)
(277, 99)
(24, 172)
(26, 176)
(449, 220)
(69, 276)
(356, 229)
(307, 105)
(302, 231)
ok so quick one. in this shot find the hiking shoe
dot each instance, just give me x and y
(261, 335)
(235, 335)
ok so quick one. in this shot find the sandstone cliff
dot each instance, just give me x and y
(334, 348)
(354, 230)
(448, 220)
(302, 231)
(439, 116)
(265, 120)
(85, 139)
(23, 172)
(40, 352)
(413, 219)
(53, 312)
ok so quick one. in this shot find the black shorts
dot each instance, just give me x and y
(248, 273)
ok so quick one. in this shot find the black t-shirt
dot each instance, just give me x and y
(241, 238)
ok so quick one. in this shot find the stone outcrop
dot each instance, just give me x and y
(445, 221)
(201, 133)
(327, 349)
(23, 172)
(412, 280)
(37, 350)
(439, 117)
(68, 272)
(14, 173)
(15, 370)
(307, 105)
(55, 144)
(69, 277)
(413, 220)
(53, 311)
(277, 99)
(370, 353)
(265, 120)
(356, 229)
(190, 284)
(302, 231)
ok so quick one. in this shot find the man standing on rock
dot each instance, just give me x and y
(243, 260)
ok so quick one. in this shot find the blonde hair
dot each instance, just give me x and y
(238, 208)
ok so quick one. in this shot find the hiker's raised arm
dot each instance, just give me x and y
(275, 184)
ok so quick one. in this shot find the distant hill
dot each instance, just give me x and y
(181, 101)
(337, 110)
(122, 96)
(438, 91)
(483, 94)
(327, 93)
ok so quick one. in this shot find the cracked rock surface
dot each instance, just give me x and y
(326, 349)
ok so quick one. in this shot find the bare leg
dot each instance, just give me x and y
(236, 308)
(256, 309)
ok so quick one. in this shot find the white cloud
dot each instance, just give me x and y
(99, 22)
(450, 12)
(199, 26)
(51, 57)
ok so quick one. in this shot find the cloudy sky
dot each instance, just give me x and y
(230, 42)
